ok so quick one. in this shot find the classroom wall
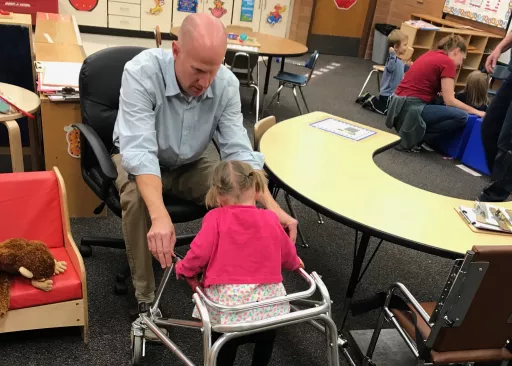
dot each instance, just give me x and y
(397, 11)
(301, 19)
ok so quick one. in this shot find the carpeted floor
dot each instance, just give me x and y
(330, 252)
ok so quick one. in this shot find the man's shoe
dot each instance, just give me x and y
(148, 333)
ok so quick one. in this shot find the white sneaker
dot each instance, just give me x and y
(149, 335)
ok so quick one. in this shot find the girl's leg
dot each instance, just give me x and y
(442, 121)
(227, 353)
(264, 345)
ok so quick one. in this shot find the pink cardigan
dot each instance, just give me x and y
(239, 245)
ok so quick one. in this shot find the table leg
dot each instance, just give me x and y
(15, 147)
(267, 75)
(355, 276)
(282, 64)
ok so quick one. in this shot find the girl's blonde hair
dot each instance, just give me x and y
(476, 89)
(233, 178)
(449, 43)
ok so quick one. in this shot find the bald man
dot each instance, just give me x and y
(170, 108)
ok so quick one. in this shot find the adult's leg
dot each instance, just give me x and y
(442, 121)
(136, 224)
(494, 119)
(501, 175)
(192, 181)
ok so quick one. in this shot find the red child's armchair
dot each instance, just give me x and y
(34, 206)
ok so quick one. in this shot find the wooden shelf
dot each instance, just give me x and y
(468, 68)
(421, 47)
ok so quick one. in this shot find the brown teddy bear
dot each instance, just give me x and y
(32, 260)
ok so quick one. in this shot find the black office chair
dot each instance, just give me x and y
(100, 84)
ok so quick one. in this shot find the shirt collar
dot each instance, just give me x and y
(172, 88)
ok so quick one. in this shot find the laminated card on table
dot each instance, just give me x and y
(344, 129)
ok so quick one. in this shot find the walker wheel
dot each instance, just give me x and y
(136, 350)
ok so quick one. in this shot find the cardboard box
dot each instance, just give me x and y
(56, 28)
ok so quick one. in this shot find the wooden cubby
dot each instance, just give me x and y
(479, 43)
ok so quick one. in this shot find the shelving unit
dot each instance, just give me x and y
(479, 43)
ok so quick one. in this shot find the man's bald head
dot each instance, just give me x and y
(199, 52)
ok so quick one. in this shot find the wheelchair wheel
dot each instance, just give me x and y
(120, 288)
(136, 349)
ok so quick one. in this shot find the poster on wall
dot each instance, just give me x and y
(84, 5)
(187, 6)
(247, 13)
(344, 4)
(493, 12)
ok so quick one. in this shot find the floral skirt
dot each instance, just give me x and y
(244, 294)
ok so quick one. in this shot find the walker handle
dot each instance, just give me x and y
(193, 283)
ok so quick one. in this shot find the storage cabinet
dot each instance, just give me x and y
(274, 17)
(124, 14)
(87, 12)
(156, 12)
(480, 45)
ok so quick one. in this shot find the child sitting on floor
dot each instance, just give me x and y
(242, 249)
(393, 73)
(475, 93)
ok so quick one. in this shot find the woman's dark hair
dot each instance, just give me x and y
(449, 43)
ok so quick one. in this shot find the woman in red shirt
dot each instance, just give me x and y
(411, 109)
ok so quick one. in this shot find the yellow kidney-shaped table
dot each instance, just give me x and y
(338, 177)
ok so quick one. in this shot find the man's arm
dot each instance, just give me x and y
(139, 148)
(503, 46)
(234, 144)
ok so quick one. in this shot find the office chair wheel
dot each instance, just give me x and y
(120, 288)
(137, 344)
(120, 278)
(85, 250)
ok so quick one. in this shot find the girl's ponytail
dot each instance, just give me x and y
(449, 43)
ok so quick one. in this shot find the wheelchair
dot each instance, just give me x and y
(304, 309)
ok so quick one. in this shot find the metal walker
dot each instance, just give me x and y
(303, 310)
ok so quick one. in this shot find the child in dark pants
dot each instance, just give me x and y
(241, 250)
(393, 73)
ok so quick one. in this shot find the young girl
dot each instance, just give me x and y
(242, 249)
(476, 92)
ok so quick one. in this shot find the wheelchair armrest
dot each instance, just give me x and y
(100, 151)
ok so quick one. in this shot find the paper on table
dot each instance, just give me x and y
(60, 73)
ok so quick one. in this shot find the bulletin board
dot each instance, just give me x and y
(492, 12)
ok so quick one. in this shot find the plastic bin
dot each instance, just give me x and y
(380, 42)
(455, 145)
(474, 155)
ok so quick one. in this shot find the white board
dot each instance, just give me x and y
(492, 12)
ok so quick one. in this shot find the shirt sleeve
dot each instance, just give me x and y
(448, 69)
(289, 259)
(201, 248)
(391, 62)
(136, 126)
(231, 134)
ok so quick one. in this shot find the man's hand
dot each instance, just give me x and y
(161, 240)
(288, 223)
(492, 60)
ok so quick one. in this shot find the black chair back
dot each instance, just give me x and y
(100, 85)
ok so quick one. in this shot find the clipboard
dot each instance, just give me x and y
(474, 229)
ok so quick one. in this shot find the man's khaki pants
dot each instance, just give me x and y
(189, 182)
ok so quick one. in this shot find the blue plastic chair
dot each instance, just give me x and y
(294, 81)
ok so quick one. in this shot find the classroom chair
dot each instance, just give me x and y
(471, 321)
(242, 65)
(501, 73)
(379, 69)
(100, 83)
(158, 36)
(260, 128)
(295, 81)
(34, 207)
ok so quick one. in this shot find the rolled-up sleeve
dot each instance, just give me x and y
(231, 134)
(136, 126)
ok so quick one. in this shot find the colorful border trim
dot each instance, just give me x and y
(495, 22)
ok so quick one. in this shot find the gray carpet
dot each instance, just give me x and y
(330, 253)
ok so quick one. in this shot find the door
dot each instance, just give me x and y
(246, 13)
(86, 12)
(337, 26)
(156, 12)
(182, 8)
(274, 17)
(222, 9)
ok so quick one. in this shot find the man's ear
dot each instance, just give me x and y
(25, 272)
